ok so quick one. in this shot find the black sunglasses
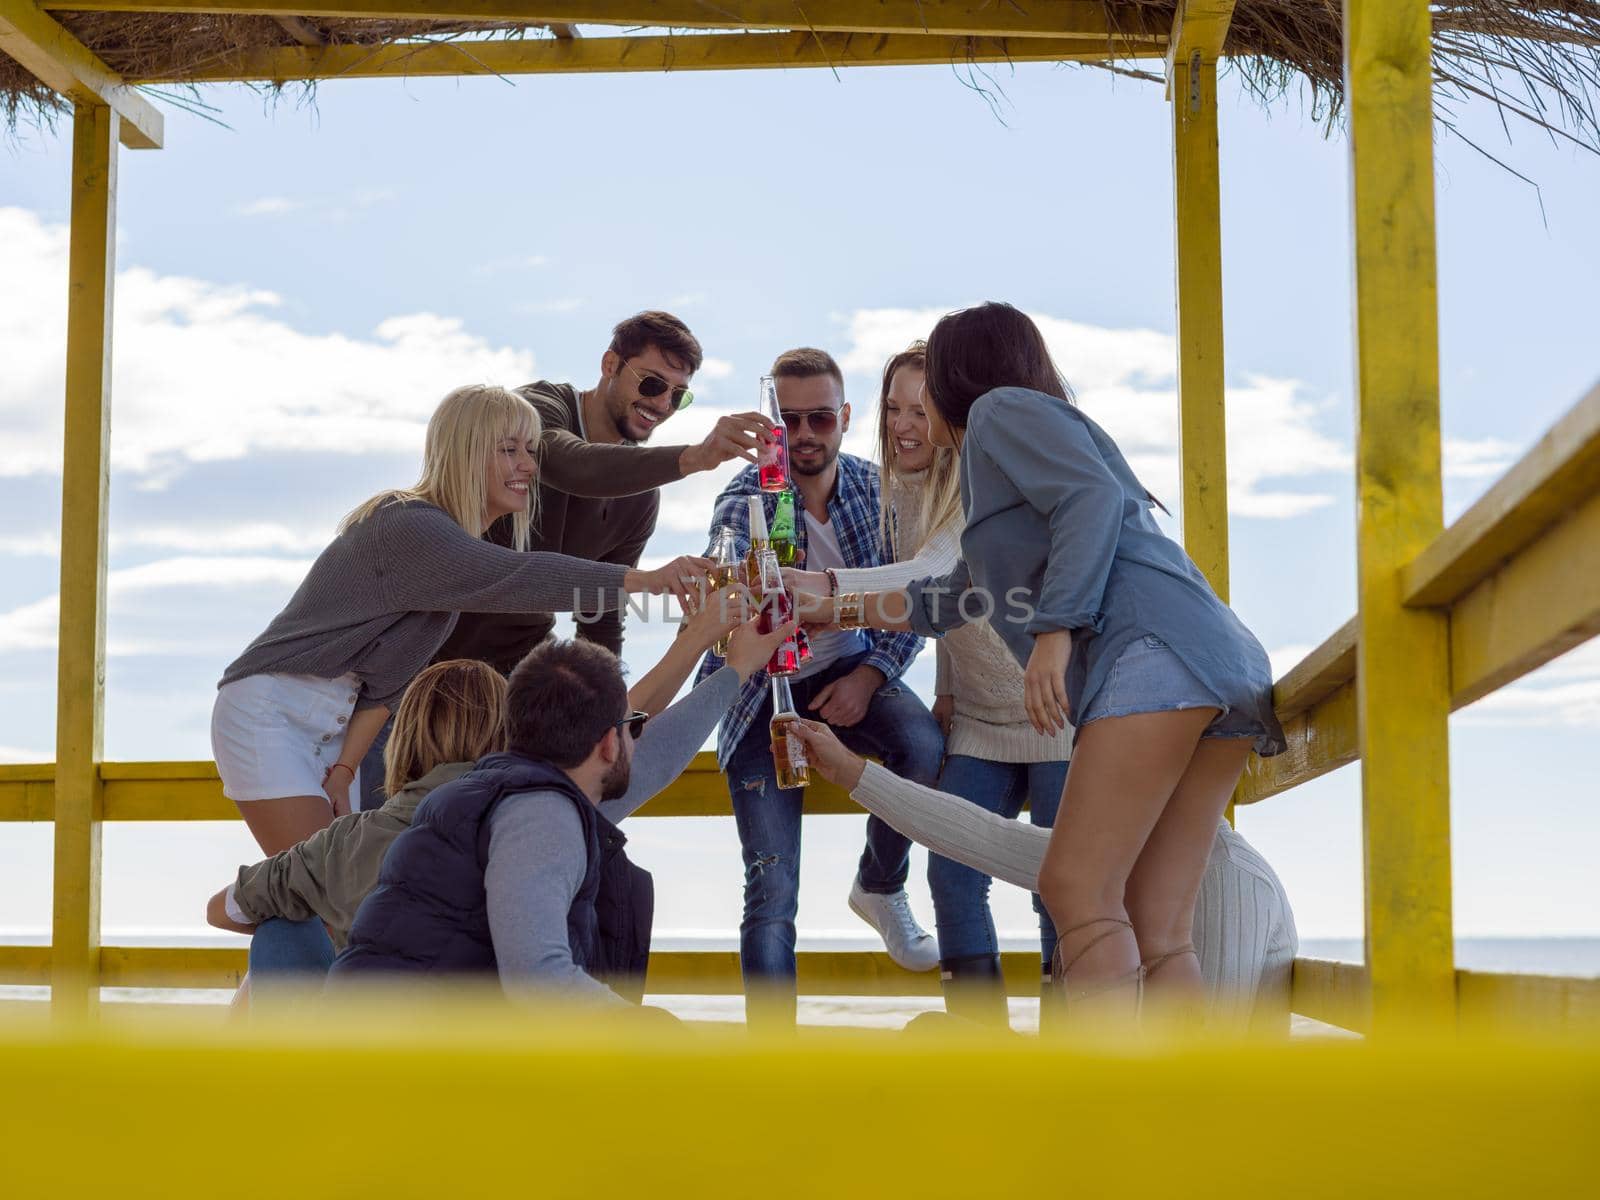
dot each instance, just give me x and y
(635, 723)
(823, 420)
(651, 386)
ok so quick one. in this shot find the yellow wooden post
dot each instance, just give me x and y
(1202, 443)
(1403, 668)
(80, 676)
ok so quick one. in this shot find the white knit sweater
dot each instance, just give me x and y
(1244, 929)
(972, 663)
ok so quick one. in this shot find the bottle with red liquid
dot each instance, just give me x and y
(777, 609)
(772, 463)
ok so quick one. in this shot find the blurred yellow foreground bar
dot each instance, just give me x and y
(434, 1101)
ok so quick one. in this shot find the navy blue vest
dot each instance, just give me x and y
(429, 912)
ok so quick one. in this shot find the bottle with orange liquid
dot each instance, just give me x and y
(788, 753)
(725, 572)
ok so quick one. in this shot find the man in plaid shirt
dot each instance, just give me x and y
(850, 682)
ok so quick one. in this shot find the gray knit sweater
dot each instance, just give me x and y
(384, 595)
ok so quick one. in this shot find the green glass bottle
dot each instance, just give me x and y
(783, 539)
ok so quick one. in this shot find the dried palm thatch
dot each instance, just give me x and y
(1538, 60)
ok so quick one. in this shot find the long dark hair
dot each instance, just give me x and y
(975, 350)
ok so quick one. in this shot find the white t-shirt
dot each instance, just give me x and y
(822, 550)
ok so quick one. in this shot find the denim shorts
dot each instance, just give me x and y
(1148, 677)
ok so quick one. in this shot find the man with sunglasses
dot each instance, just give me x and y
(850, 683)
(598, 483)
(518, 866)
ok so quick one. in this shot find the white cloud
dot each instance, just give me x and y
(1126, 380)
(252, 537)
(1564, 693)
(31, 545)
(1483, 458)
(22, 754)
(268, 206)
(33, 626)
(714, 368)
(206, 372)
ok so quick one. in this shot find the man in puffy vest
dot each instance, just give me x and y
(518, 865)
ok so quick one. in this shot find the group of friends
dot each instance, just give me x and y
(438, 781)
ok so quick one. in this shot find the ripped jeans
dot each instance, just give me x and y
(899, 730)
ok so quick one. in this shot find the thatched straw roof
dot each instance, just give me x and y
(1539, 59)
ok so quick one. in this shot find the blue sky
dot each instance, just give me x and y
(300, 287)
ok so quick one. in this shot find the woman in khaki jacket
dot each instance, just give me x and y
(452, 714)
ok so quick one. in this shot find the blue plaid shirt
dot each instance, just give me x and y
(853, 513)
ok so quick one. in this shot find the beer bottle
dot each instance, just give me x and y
(788, 753)
(784, 543)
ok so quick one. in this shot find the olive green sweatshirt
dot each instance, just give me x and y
(330, 873)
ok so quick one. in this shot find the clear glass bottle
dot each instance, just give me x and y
(772, 464)
(776, 609)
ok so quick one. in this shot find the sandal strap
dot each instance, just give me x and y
(1059, 969)
(1152, 965)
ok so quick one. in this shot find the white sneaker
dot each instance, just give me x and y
(908, 943)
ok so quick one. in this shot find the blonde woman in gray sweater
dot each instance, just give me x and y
(296, 712)
(993, 756)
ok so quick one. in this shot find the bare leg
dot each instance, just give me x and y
(1165, 882)
(279, 824)
(1124, 771)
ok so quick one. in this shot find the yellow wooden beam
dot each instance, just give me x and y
(672, 972)
(1321, 738)
(1403, 663)
(191, 791)
(1540, 604)
(144, 1110)
(59, 61)
(1199, 27)
(1554, 477)
(86, 468)
(1336, 993)
(1202, 441)
(685, 52)
(1039, 18)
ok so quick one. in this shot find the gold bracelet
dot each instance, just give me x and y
(852, 611)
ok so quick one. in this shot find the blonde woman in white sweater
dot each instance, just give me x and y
(993, 757)
(1244, 932)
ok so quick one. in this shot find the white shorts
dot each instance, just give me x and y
(276, 735)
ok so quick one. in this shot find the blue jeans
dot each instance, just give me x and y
(372, 772)
(281, 948)
(960, 894)
(899, 730)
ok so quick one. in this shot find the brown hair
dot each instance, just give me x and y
(807, 362)
(564, 695)
(939, 499)
(662, 330)
(455, 711)
(974, 350)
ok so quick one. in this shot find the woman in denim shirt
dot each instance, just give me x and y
(1117, 629)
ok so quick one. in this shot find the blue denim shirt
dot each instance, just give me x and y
(1059, 536)
(853, 513)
